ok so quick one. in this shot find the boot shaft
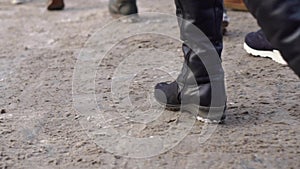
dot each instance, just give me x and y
(202, 75)
(206, 15)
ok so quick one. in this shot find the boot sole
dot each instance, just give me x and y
(212, 115)
(274, 55)
(133, 18)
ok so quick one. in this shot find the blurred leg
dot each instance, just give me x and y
(122, 7)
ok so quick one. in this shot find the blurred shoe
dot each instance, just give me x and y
(256, 44)
(235, 4)
(16, 2)
(55, 5)
(225, 22)
(122, 7)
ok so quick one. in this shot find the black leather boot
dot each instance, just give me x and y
(122, 7)
(200, 87)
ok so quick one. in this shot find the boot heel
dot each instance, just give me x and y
(214, 115)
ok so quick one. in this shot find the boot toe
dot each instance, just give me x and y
(167, 94)
(160, 96)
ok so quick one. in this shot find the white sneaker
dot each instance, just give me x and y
(256, 44)
(16, 2)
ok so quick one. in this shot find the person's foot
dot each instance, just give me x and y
(122, 7)
(169, 95)
(256, 44)
(225, 22)
(55, 5)
(16, 2)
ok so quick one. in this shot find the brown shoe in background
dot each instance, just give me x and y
(235, 5)
(55, 5)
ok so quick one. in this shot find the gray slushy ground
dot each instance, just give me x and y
(42, 128)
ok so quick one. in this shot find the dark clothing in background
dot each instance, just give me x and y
(280, 21)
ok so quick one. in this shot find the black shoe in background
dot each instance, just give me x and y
(257, 44)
